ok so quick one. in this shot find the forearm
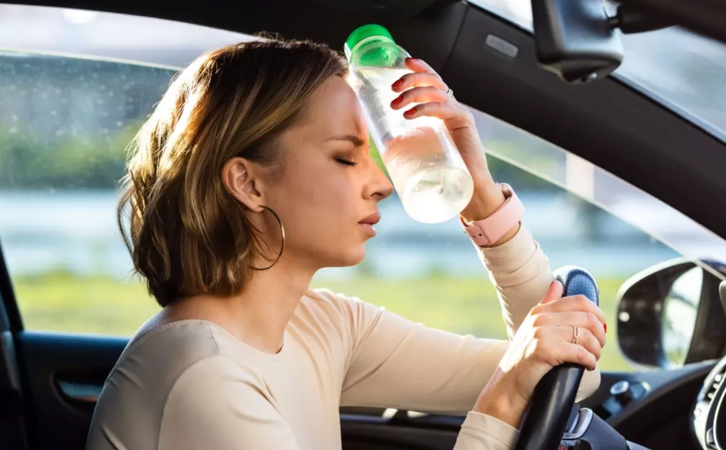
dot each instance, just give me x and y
(521, 274)
(501, 401)
(405, 365)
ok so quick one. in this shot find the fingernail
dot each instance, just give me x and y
(411, 59)
(397, 101)
(397, 84)
(410, 112)
(605, 325)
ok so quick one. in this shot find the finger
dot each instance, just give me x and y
(443, 110)
(576, 303)
(419, 65)
(585, 337)
(578, 354)
(419, 95)
(419, 79)
(563, 325)
(554, 292)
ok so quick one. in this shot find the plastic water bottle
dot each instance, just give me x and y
(425, 166)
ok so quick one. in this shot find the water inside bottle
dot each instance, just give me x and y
(432, 189)
(427, 172)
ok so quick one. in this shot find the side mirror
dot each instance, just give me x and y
(671, 314)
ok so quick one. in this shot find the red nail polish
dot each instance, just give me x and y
(410, 112)
(397, 84)
(397, 101)
(411, 59)
(605, 325)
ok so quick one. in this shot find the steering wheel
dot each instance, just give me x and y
(554, 397)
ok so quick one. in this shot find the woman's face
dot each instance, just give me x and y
(328, 190)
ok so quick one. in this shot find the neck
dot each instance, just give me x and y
(268, 303)
(260, 313)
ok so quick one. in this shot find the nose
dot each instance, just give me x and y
(379, 186)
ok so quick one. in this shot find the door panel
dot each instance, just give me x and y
(61, 372)
(359, 433)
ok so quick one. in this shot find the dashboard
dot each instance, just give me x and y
(658, 409)
(709, 423)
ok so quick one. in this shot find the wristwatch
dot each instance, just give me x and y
(488, 231)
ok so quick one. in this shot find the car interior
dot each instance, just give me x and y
(555, 82)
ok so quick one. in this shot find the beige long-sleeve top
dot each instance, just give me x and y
(191, 385)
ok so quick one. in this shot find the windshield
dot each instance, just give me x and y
(681, 70)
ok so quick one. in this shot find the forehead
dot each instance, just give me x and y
(333, 110)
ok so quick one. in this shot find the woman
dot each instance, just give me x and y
(252, 174)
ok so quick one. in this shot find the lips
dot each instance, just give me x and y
(372, 219)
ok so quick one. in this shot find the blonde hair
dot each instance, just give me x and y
(187, 235)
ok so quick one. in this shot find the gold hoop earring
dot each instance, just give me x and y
(282, 247)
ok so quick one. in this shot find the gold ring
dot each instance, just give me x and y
(575, 334)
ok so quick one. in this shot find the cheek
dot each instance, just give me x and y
(320, 202)
(330, 197)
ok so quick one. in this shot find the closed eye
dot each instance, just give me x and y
(345, 162)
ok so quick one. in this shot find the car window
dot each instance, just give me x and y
(64, 126)
(679, 69)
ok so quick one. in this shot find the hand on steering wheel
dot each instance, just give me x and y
(558, 330)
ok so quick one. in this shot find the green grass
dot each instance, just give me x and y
(66, 303)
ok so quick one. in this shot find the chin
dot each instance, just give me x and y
(352, 258)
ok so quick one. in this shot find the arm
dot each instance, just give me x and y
(214, 404)
(521, 274)
(397, 363)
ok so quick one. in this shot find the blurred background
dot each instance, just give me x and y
(75, 86)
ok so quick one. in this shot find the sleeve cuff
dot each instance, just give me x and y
(522, 241)
(481, 431)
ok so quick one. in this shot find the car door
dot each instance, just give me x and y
(73, 99)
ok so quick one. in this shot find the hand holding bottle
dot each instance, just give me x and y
(425, 88)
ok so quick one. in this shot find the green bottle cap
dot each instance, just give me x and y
(382, 56)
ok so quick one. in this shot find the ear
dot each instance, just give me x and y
(241, 180)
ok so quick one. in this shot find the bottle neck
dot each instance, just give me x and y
(351, 51)
(387, 44)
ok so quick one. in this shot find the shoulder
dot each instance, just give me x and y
(174, 346)
(221, 404)
(153, 363)
(133, 399)
(215, 380)
(218, 403)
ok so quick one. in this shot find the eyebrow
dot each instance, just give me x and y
(358, 142)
